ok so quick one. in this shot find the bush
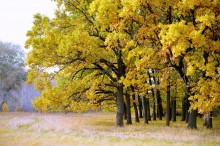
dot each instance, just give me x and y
(5, 107)
(17, 109)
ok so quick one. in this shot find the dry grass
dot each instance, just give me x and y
(98, 129)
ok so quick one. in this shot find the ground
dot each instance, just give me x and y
(57, 129)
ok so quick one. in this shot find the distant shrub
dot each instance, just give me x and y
(17, 109)
(5, 107)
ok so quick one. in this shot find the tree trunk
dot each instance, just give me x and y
(168, 105)
(187, 110)
(154, 105)
(171, 110)
(159, 100)
(125, 111)
(128, 103)
(120, 99)
(154, 109)
(120, 106)
(174, 110)
(148, 109)
(1, 104)
(144, 103)
(183, 110)
(140, 107)
(182, 71)
(192, 119)
(185, 105)
(208, 120)
(159, 105)
(152, 91)
(205, 119)
(135, 109)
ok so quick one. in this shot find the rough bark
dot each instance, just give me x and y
(208, 120)
(148, 109)
(125, 111)
(120, 106)
(158, 97)
(183, 110)
(152, 91)
(187, 110)
(154, 110)
(128, 103)
(168, 105)
(174, 110)
(140, 107)
(135, 109)
(144, 103)
(120, 100)
(135, 105)
(159, 105)
(192, 119)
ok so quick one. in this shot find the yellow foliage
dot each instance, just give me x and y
(5, 107)
(207, 95)
(190, 70)
(41, 104)
(98, 45)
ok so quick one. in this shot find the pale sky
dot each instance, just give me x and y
(16, 17)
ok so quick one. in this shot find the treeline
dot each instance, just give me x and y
(129, 54)
(14, 93)
(21, 99)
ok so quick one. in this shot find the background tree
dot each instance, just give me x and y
(12, 71)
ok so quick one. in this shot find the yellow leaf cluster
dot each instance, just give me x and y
(5, 107)
(207, 95)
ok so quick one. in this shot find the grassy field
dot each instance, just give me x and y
(33, 129)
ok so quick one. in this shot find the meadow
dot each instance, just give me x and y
(82, 129)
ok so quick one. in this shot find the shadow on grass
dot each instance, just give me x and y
(104, 123)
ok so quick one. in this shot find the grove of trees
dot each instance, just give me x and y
(128, 55)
